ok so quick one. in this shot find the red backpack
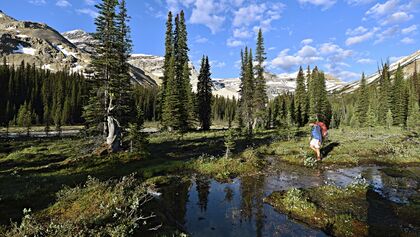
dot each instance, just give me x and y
(324, 129)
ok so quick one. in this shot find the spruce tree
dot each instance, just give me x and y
(389, 119)
(204, 94)
(172, 103)
(122, 88)
(320, 106)
(66, 112)
(178, 113)
(169, 49)
(260, 94)
(384, 94)
(371, 120)
(110, 96)
(300, 99)
(399, 98)
(104, 65)
(363, 101)
(24, 117)
(138, 140)
(308, 96)
(229, 142)
(241, 93)
(248, 86)
(413, 119)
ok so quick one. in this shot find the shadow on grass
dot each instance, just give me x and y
(329, 148)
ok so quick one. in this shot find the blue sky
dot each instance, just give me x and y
(342, 37)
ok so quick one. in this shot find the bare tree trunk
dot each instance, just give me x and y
(113, 139)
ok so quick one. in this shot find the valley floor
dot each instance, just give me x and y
(33, 171)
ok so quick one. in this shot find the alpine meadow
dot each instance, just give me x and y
(209, 118)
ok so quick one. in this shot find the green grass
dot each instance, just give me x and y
(354, 147)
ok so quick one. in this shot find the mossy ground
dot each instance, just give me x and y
(337, 211)
(352, 211)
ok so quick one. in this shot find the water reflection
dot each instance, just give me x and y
(205, 207)
(203, 190)
(237, 209)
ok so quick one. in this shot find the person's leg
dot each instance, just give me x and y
(318, 153)
(314, 149)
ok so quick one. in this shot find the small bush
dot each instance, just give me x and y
(111, 208)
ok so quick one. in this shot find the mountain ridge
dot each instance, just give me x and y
(39, 43)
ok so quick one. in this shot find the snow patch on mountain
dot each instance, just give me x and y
(24, 50)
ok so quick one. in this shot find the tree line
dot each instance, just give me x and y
(31, 95)
(391, 101)
(108, 104)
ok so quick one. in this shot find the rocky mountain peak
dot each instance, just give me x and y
(37, 43)
(81, 39)
(5, 18)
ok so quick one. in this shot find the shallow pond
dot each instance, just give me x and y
(205, 207)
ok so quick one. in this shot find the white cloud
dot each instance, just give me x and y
(88, 12)
(396, 18)
(307, 41)
(238, 3)
(204, 12)
(358, 39)
(63, 3)
(241, 33)
(335, 52)
(382, 9)
(90, 2)
(365, 61)
(250, 14)
(331, 55)
(325, 4)
(356, 31)
(287, 62)
(307, 51)
(37, 2)
(407, 40)
(388, 33)
(234, 43)
(262, 15)
(217, 64)
(201, 39)
(359, 2)
(409, 29)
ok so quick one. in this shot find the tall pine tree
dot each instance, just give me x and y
(260, 95)
(363, 101)
(300, 99)
(169, 49)
(384, 94)
(204, 95)
(178, 102)
(110, 101)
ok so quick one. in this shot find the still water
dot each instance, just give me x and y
(205, 207)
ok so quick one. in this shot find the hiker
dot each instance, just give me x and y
(316, 139)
